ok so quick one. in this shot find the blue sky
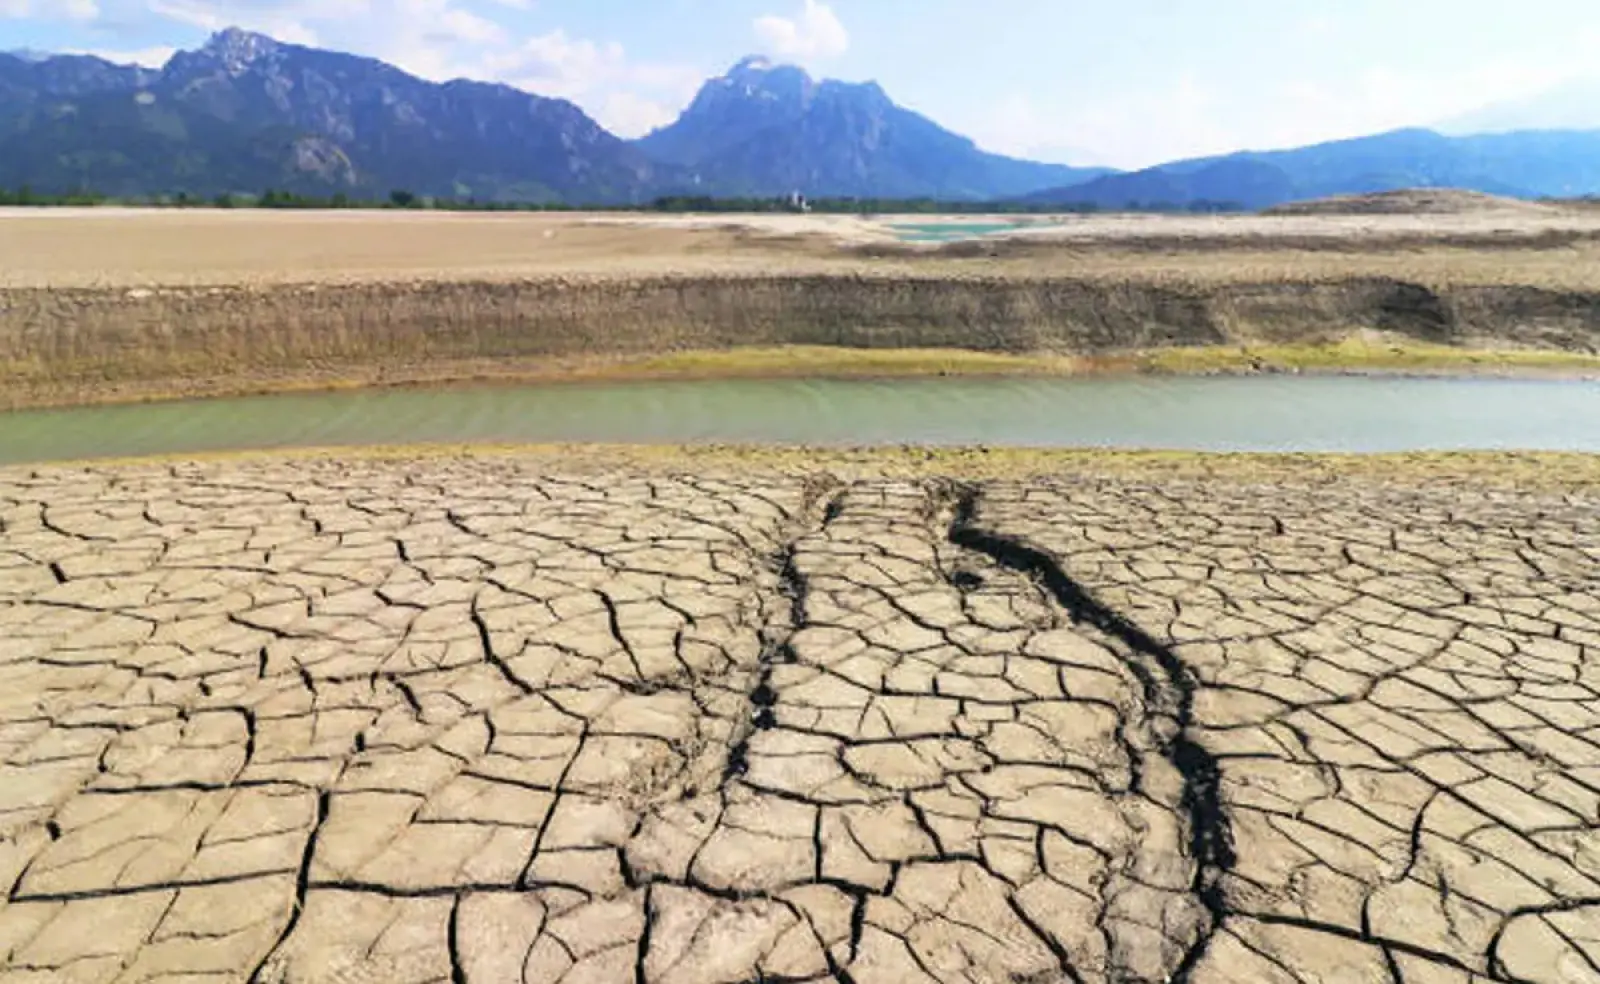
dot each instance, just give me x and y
(1087, 81)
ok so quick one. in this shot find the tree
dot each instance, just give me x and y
(400, 198)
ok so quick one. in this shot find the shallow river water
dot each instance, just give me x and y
(1222, 413)
(946, 232)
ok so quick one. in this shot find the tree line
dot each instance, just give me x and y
(273, 198)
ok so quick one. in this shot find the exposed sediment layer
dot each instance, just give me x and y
(483, 719)
(59, 345)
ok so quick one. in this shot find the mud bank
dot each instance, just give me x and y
(76, 345)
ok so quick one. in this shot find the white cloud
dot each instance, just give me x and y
(1131, 128)
(627, 97)
(628, 114)
(815, 33)
(285, 20)
(556, 64)
(1139, 125)
(74, 10)
(144, 57)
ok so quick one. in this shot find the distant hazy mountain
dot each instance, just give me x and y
(765, 129)
(247, 112)
(1525, 164)
(1573, 106)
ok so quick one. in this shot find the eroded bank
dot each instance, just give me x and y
(84, 344)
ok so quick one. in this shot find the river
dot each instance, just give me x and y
(1246, 413)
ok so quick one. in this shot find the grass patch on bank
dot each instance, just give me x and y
(825, 360)
(1356, 355)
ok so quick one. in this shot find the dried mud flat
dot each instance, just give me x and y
(487, 719)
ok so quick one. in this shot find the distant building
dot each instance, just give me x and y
(798, 203)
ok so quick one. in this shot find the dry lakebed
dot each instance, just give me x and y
(720, 715)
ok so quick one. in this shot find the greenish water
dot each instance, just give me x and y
(1271, 413)
(947, 232)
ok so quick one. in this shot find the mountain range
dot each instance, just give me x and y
(1522, 164)
(245, 112)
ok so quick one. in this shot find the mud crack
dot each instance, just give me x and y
(1169, 691)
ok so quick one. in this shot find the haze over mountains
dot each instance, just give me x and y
(245, 113)
(1524, 164)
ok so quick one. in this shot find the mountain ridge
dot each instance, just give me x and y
(1519, 164)
(245, 112)
(765, 129)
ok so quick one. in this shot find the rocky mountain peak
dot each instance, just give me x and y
(238, 49)
(759, 77)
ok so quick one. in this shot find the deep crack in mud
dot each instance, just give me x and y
(1168, 689)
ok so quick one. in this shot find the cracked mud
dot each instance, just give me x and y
(471, 721)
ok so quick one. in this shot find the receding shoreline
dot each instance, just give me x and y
(136, 308)
(821, 362)
(1549, 471)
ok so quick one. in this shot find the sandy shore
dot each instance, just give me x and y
(697, 716)
(116, 304)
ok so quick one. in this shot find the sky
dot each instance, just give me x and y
(1126, 84)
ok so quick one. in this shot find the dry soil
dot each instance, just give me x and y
(512, 719)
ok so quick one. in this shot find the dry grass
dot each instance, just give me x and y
(1357, 354)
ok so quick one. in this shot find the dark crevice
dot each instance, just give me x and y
(406, 694)
(858, 924)
(1062, 957)
(249, 716)
(151, 888)
(1356, 936)
(458, 970)
(302, 885)
(493, 658)
(776, 649)
(1169, 685)
(639, 975)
